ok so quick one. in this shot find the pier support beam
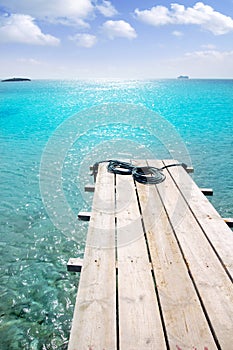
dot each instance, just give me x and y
(74, 265)
(207, 191)
(229, 221)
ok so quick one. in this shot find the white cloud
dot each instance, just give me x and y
(200, 64)
(120, 28)
(177, 33)
(210, 54)
(107, 9)
(200, 14)
(85, 39)
(208, 63)
(68, 12)
(156, 16)
(31, 61)
(208, 46)
(22, 29)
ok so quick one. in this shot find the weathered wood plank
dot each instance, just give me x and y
(94, 322)
(208, 274)
(218, 233)
(186, 325)
(139, 317)
(191, 268)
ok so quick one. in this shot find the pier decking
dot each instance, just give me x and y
(157, 270)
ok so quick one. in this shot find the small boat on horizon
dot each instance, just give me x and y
(183, 77)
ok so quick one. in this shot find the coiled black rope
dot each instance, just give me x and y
(121, 168)
(148, 175)
(144, 175)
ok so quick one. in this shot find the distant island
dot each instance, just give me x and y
(16, 79)
(183, 77)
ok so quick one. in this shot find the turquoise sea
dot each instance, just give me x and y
(50, 132)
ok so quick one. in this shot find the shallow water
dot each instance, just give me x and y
(37, 294)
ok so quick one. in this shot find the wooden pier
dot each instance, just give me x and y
(157, 269)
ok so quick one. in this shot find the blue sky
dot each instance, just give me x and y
(118, 39)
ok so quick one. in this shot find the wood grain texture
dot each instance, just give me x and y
(208, 274)
(186, 325)
(94, 322)
(157, 269)
(218, 233)
(139, 317)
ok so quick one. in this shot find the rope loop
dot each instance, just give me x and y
(144, 175)
(121, 168)
(148, 175)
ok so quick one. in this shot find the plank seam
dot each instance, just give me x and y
(116, 258)
(199, 224)
(152, 273)
(191, 277)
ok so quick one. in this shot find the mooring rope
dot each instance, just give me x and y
(144, 175)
